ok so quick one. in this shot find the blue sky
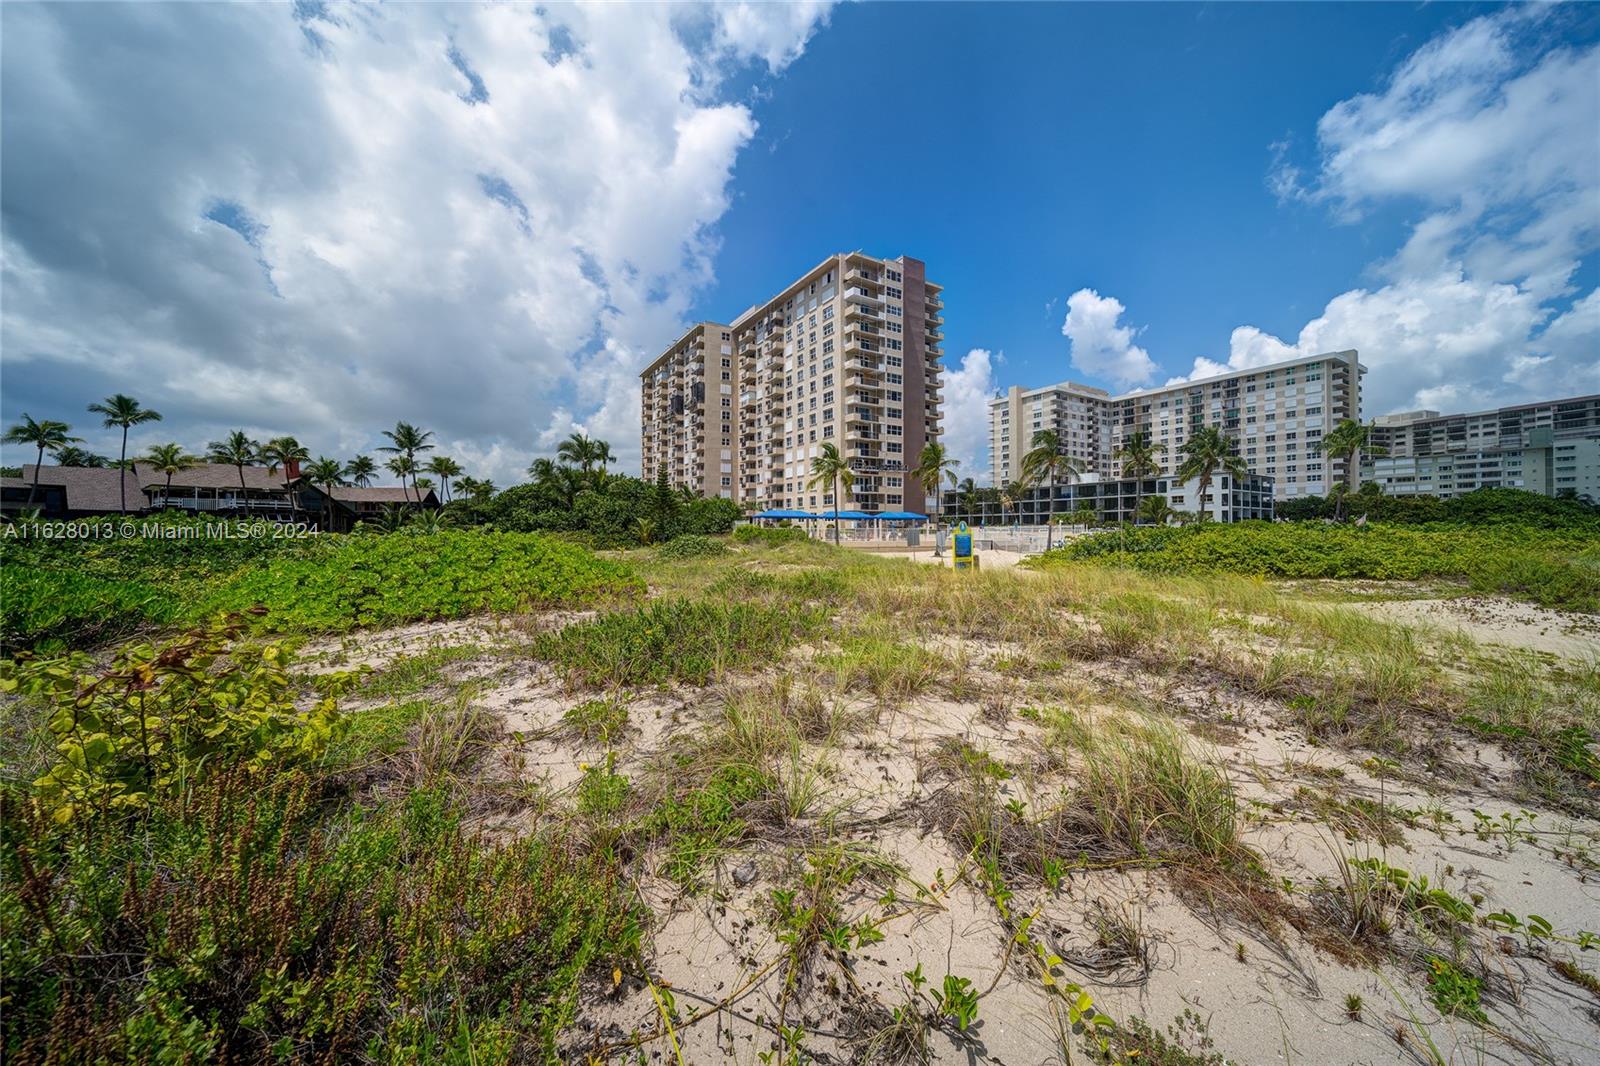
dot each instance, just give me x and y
(318, 220)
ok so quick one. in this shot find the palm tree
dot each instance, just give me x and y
(1138, 457)
(326, 474)
(1009, 495)
(361, 470)
(579, 450)
(1153, 509)
(428, 521)
(934, 466)
(72, 455)
(407, 440)
(236, 450)
(832, 469)
(474, 489)
(601, 451)
(422, 484)
(444, 468)
(1345, 441)
(289, 454)
(1084, 514)
(169, 459)
(402, 466)
(644, 529)
(124, 411)
(967, 494)
(1206, 451)
(46, 436)
(1045, 464)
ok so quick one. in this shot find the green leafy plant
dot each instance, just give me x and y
(159, 719)
(1454, 991)
(691, 546)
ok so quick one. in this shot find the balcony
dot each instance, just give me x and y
(861, 296)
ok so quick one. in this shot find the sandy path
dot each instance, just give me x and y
(1493, 620)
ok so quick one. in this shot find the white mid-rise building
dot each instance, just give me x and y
(1080, 415)
(1551, 448)
(1275, 415)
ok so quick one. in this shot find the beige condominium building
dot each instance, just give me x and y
(848, 354)
(1551, 448)
(1275, 415)
(688, 414)
(1080, 415)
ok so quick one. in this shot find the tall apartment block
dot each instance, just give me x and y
(1274, 413)
(1551, 448)
(688, 417)
(848, 354)
(1079, 414)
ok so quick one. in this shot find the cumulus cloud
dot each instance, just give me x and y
(319, 220)
(1101, 346)
(1489, 131)
(1443, 342)
(967, 391)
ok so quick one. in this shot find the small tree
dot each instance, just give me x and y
(1045, 464)
(124, 411)
(286, 453)
(326, 474)
(169, 459)
(402, 467)
(1206, 451)
(444, 468)
(236, 450)
(1346, 441)
(46, 436)
(1153, 509)
(832, 469)
(361, 470)
(1138, 458)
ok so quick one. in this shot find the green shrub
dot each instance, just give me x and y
(672, 640)
(691, 546)
(770, 536)
(372, 580)
(49, 609)
(155, 722)
(249, 925)
(1553, 566)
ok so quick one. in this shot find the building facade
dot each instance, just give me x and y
(1275, 415)
(1226, 499)
(1551, 448)
(848, 354)
(688, 412)
(1080, 415)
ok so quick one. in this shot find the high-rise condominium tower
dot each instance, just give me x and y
(847, 354)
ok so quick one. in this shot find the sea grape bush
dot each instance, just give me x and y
(1555, 566)
(52, 609)
(155, 722)
(352, 582)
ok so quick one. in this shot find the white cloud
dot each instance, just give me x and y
(480, 219)
(967, 391)
(1447, 340)
(1490, 129)
(1101, 346)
